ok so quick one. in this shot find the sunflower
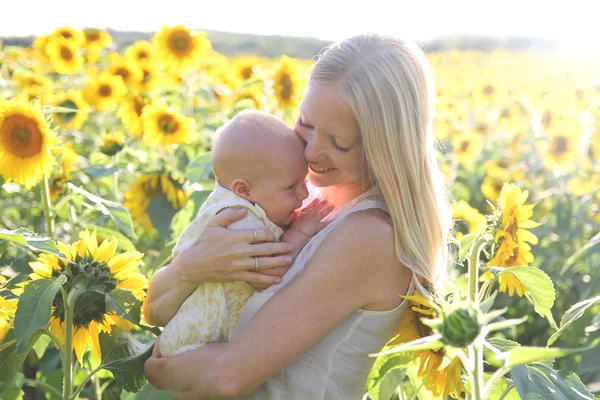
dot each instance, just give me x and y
(96, 39)
(67, 165)
(25, 137)
(250, 96)
(181, 48)
(105, 92)
(131, 73)
(164, 126)
(68, 33)
(245, 67)
(141, 52)
(286, 83)
(467, 147)
(90, 265)
(146, 187)
(64, 56)
(112, 143)
(562, 150)
(33, 86)
(130, 114)
(471, 217)
(74, 100)
(512, 237)
(446, 381)
(491, 188)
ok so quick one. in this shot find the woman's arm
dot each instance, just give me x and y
(219, 255)
(347, 272)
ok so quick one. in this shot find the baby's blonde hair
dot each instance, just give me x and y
(250, 139)
(388, 84)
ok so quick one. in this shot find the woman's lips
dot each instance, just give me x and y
(318, 169)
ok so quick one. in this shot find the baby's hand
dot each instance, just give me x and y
(309, 219)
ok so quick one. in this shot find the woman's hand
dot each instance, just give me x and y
(222, 255)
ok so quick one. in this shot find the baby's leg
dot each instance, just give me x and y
(199, 320)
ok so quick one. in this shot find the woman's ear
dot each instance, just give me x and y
(241, 188)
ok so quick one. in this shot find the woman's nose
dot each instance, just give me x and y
(311, 150)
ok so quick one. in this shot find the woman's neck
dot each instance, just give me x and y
(338, 196)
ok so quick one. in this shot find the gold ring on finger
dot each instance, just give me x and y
(255, 239)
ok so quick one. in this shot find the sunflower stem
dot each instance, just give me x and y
(115, 186)
(474, 269)
(477, 372)
(69, 303)
(46, 202)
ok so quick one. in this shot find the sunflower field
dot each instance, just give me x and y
(105, 158)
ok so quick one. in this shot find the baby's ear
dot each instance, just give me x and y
(241, 188)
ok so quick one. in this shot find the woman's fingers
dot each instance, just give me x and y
(267, 249)
(227, 216)
(262, 235)
(258, 280)
(249, 263)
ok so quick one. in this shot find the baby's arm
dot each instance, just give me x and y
(307, 223)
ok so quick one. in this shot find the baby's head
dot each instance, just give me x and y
(259, 158)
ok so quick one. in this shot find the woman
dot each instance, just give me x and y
(366, 121)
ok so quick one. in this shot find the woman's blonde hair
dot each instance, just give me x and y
(388, 84)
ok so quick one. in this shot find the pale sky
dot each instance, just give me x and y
(574, 22)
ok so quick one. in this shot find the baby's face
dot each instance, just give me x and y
(284, 190)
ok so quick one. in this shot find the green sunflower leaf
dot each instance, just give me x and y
(188, 212)
(35, 308)
(537, 381)
(199, 168)
(525, 354)
(149, 392)
(119, 214)
(573, 314)
(161, 213)
(124, 357)
(125, 304)
(27, 238)
(538, 288)
(11, 360)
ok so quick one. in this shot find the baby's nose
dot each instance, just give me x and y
(303, 193)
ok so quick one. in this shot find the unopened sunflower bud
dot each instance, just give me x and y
(459, 328)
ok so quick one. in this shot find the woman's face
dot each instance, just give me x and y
(332, 138)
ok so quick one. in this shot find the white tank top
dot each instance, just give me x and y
(337, 366)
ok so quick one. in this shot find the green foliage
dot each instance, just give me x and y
(572, 315)
(34, 309)
(537, 381)
(25, 237)
(124, 357)
(124, 304)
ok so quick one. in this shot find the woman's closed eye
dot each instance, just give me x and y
(338, 148)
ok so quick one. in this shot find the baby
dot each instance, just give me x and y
(258, 164)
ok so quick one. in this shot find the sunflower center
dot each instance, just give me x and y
(464, 146)
(247, 72)
(180, 43)
(139, 106)
(286, 83)
(21, 136)
(488, 90)
(142, 55)
(66, 53)
(92, 35)
(502, 164)
(66, 34)
(91, 305)
(167, 124)
(122, 72)
(105, 90)
(560, 145)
